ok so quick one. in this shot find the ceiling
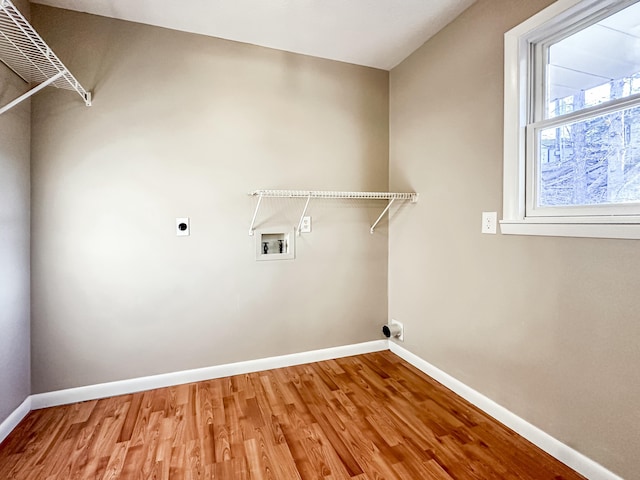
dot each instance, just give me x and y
(373, 33)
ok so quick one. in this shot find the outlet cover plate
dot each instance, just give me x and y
(181, 230)
(306, 224)
(489, 222)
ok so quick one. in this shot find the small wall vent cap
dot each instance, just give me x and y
(391, 330)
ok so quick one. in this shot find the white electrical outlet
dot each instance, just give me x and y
(306, 225)
(401, 336)
(182, 227)
(489, 222)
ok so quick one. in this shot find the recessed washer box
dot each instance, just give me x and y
(275, 243)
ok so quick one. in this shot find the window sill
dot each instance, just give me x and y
(527, 227)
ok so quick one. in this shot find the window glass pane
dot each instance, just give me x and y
(590, 162)
(595, 65)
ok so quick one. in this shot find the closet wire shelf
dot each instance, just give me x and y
(29, 57)
(309, 194)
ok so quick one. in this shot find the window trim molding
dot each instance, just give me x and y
(517, 43)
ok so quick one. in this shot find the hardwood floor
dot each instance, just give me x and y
(366, 417)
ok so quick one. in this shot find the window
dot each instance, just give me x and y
(572, 121)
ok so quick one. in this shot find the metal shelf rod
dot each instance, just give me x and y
(381, 215)
(255, 214)
(302, 216)
(26, 95)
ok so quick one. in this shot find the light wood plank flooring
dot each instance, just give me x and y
(365, 417)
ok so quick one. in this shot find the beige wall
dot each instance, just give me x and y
(14, 241)
(547, 327)
(185, 125)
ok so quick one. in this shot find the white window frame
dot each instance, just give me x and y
(518, 46)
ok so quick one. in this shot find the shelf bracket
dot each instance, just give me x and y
(382, 215)
(302, 216)
(26, 95)
(255, 214)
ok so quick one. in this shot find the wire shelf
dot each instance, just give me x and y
(29, 56)
(335, 195)
(309, 194)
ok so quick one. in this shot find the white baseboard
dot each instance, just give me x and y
(567, 455)
(12, 421)
(122, 387)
